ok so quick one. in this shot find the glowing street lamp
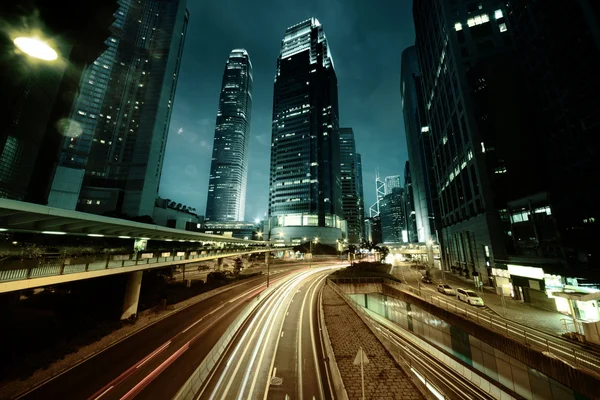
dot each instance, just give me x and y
(35, 47)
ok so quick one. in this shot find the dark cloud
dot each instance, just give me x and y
(366, 39)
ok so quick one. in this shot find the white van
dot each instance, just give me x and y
(469, 296)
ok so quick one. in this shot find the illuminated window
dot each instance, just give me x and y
(503, 27)
(498, 14)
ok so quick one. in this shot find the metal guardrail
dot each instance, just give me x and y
(562, 349)
(572, 353)
(69, 265)
(444, 382)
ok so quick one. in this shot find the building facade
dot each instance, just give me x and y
(393, 218)
(478, 124)
(360, 196)
(392, 182)
(305, 194)
(409, 206)
(121, 147)
(560, 212)
(37, 95)
(418, 141)
(350, 202)
(226, 199)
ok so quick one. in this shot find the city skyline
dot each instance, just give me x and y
(193, 116)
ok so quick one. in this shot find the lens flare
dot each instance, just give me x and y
(36, 48)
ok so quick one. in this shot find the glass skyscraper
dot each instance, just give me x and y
(305, 187)
(121, 120)
(350, 200)
(229, 168)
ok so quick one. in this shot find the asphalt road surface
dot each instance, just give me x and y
(156, 362)
(277, 353)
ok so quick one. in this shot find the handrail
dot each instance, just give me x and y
(573, 353)
(32, 269)
(413, 359)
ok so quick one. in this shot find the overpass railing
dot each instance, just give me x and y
(14, 270)
(572, 353)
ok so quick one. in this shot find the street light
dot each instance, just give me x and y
(35, 47)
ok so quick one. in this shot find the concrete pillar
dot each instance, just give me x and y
(219, 264)
(132, 294)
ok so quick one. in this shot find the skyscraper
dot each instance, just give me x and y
(305, 188)
(392, 182)
(476, 115)
(123, 147)
(418, 140)
(360, 195)
(350, 201)
(36, 95)
(229, 168)
(409, 206)
(393, 217)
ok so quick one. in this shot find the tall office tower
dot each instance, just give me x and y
(305, 197)
(361, 196)
(392, 182)
(418, 140)
(476, 117)
(350, 202)
(229, 168)
(123, 148)
(560, 222)
(393, 217)
(409, 206)
(36, 94)
(83, 122)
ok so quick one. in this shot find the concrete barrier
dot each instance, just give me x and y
(194, 383)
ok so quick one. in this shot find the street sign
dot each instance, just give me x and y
(357, 360)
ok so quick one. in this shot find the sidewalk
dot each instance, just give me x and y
(518, 311)
(384, 379)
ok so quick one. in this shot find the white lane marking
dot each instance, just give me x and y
(312, 337)
(154, 353)
(103, 393)
(300, 327)
(277, 343)
(288, 294)
(260, 315)
(308, 274)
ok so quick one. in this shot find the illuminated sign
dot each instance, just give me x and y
(527, 272)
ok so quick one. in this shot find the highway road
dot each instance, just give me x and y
(278, 353)
(156, 362)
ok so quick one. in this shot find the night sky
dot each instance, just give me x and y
(366, 40)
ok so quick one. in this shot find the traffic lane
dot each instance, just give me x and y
(319, 351)
(294, 361)
(176, 374)
(249, 354)
(85, 379)
(285, 362)
(144, 373)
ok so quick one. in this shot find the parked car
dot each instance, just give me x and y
(470, 297)
(446, 289)
(426, 279)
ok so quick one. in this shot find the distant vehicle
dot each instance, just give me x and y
(446, 289)
(426, 279)
(470, 297)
